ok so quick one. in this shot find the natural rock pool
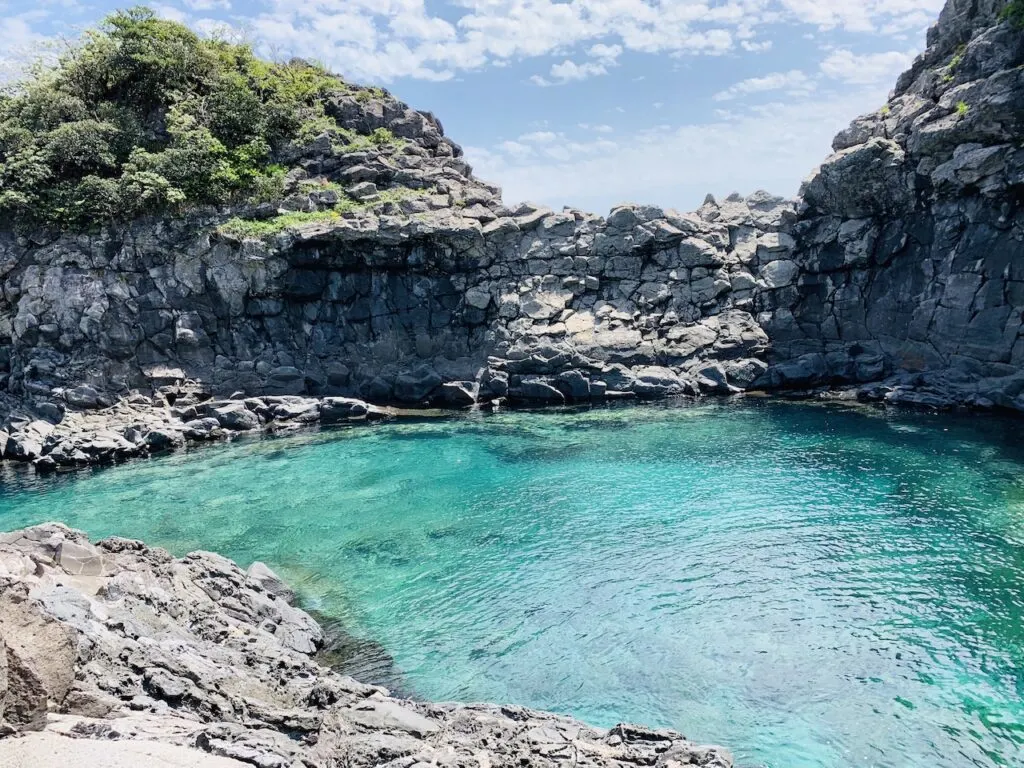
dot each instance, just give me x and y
(809, 585)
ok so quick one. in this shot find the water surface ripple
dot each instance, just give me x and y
(811, 586)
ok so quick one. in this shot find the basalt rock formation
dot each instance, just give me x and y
(393, 275)
(122, 643)
(910, 239)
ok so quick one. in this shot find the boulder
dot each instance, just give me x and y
(459, 394)
(334, 410)
(201, 429)
(236, 417)
(656, 381)
(416, 385)
(536, 390)
(82, 396)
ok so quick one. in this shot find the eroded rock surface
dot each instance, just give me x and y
(119, 641)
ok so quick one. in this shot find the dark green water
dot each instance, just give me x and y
(811, 586)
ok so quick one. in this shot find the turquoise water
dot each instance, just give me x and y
(809, 585)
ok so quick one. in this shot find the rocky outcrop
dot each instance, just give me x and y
(140, 426)
(526, 304)
(407, 280)
(910, 239)
(122, 643)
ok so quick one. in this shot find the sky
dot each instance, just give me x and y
(586, 103)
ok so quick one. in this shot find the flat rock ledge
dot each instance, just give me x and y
(139, 425)
(194, 661)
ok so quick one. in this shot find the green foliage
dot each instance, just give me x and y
(369, 94)
(962, 108)
(144, 114)
(381, 136)
(315, 127)
(885, 111)
(250, 229)
(397, 195)
(954, 63)
(1014, 13)
(257, 229)
(958, 57)
(320, 185)
(353, 142)
(344, 140)
(268, 186)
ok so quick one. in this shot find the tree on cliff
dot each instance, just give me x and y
(143, 114)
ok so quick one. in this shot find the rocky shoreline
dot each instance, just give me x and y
(122, 643)
(90, 430)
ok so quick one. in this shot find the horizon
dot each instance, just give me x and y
(588, 103)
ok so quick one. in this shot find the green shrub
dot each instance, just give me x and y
(83, 145)
(144, 191)
(256, 229)
(962, 108)
(317, 126)
(381, 136)
(268, 186)
(1014, 13)
(320, 185)
(958, 57)
(144, 114)
(349, 141)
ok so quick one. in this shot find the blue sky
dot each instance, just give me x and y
(583, 102)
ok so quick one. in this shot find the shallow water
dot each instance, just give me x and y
(809, 585)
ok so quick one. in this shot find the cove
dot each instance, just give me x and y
(810, 585)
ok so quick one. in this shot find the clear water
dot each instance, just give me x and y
(809, 585)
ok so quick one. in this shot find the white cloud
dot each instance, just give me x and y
(678, 165)
(570, 70)
(515, 149)
(207, 5)
(386, 39)
(842, 65)
(862, 15)
(794, 81)
(604, 56)
(846, 66)
(600, 128)
(538, 137)
(21, 44)
(170, 12)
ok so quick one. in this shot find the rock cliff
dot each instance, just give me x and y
(910, 238)
(390, 273)
(122, 643)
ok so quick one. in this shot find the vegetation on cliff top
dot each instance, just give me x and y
(258, 229)
(1014, 11)
(144, 114)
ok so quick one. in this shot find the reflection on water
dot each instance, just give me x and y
(810, 585)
